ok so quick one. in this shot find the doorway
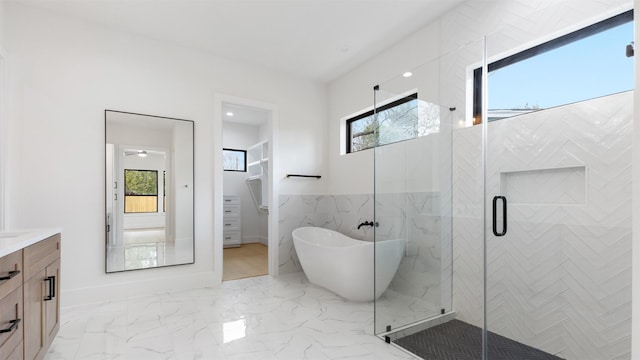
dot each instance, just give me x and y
(245, 203)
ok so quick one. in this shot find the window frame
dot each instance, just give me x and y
(402, 100)
(235, 150)
(553, 44)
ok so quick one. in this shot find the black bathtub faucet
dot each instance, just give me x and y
(367, 223)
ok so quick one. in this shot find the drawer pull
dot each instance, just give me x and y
(52, 288)
(14, 324)
(12, 274)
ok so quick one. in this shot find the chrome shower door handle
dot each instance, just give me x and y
(504, 216)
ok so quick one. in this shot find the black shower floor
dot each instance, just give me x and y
(457, 340)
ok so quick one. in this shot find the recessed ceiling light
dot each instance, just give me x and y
(229, 114)
(407, 74)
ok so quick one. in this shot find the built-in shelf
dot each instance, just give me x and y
(258, 171)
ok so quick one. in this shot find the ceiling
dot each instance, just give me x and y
(314, 39)
(244, 115)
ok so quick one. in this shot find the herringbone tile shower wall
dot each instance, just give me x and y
(560, 280)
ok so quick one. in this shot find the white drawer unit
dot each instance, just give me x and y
(231, 221)
(231, 210)
(232, 200)
(232, 238)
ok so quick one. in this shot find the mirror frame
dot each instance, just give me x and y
(193, 197)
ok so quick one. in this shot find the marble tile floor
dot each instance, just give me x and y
(282, 318)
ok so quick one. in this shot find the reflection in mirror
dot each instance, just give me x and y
(149, 191)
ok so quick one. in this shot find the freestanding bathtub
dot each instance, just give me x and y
(344, 265)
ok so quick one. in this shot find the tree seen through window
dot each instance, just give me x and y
(141, 191)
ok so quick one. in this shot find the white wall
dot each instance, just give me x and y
(254, 221)
(353, 173)
(65, 73)
(263, 133)
(2, 23)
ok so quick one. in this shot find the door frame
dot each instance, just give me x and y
(273, 231)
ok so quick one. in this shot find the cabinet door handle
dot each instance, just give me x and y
(14, 324)
(52, 287)
(11, 274)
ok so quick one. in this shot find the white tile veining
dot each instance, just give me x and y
(259, 318)
(413, 216)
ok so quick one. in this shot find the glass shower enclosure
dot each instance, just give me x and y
(414, 198)
(516, 221)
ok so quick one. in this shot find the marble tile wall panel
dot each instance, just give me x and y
(298, 211)
(346, 212)
(414, 217)
(391, 212)
(418, 275)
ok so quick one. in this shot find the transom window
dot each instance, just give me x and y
(402, 119)
(588, 63)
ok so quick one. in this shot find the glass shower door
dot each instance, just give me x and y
(418, 117)
(558, 226)
(412, 211)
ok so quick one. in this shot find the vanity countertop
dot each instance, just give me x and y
(11, 241)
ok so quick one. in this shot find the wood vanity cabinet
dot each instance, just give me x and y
(11, 311)
(41, 300)
(29, 305)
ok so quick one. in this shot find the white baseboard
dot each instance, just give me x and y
(129, 289)
(255, 239)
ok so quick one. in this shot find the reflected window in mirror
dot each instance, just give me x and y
(148, 191)
(140, 191)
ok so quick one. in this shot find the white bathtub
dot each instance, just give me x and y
(344, 265)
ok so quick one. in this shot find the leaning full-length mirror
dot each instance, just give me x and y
(149, 191)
